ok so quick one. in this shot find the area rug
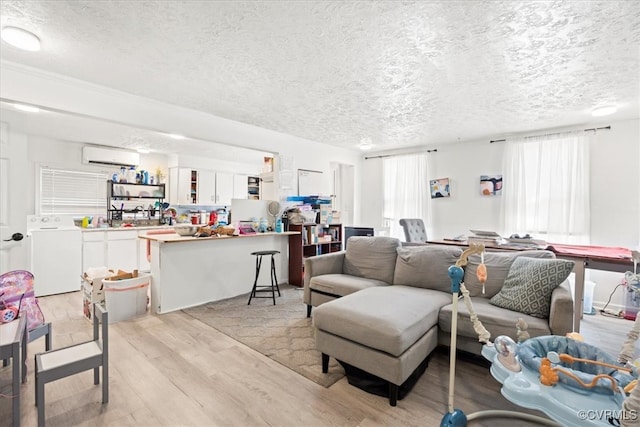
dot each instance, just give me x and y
(281, 332)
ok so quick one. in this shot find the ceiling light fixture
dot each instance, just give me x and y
(175, 136)
(143, 151)
(27, 108)
(604, 110)
(22, 39)
(365, 144)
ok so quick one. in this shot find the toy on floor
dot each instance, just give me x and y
(16, 289)
(573, 382)
(7, 312)
(507, 347)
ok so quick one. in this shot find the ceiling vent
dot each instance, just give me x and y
(109, 156)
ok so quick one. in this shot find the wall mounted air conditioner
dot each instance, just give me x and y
(109, 156)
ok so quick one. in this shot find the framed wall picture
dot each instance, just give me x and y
(490, 185)
(439, 188)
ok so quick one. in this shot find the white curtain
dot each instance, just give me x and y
(546, 187)
(406, 191)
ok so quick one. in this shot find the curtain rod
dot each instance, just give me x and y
(400, 154)
(557, 133)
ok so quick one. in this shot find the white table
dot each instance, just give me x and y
(13, 342)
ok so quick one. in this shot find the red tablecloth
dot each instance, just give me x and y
(590, 251)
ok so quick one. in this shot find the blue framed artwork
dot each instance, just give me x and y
(490, 185)
(439, 188)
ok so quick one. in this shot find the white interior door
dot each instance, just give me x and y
(13, 206)
(343, 190)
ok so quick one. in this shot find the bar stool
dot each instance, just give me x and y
(273, 287)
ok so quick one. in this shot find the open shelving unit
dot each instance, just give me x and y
(313, 240)
(125, 197)
(253, 188)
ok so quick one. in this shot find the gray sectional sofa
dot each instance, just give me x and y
(383, 307)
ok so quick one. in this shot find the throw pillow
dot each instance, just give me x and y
(498, 264)
(529, 284)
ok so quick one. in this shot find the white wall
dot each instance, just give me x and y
(615, 193)
(62, 93)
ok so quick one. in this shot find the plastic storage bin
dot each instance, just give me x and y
(126, 298)
(587, 301)
(631, 302)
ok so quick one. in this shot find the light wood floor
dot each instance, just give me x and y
(172, 370)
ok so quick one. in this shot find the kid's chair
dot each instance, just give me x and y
(16, 290)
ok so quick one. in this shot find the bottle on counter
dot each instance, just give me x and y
(204, 217)
(223, 216)
(213, 218)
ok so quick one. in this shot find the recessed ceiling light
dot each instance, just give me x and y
(143, 151)
(175, 136)
(22, 39)
(27, 108)
(604, 111)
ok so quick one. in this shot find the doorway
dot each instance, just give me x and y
(343, 191)
(13, 204)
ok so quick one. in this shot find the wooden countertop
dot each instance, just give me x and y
(176, 238)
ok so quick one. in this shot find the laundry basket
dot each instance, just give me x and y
(126, 298)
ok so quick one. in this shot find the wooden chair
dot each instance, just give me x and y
(63, 362)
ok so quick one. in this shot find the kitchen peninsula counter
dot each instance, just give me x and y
(188, 271)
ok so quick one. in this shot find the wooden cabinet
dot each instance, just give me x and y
(313, 240)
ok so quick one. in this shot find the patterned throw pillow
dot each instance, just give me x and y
(529, 284)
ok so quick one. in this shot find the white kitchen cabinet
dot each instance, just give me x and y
(143, 262)
(206, 187)
(240, 186)
(189, 186)
(224, 188)
(183, 186)
(122, 250)
(93, 249)
(113, 249)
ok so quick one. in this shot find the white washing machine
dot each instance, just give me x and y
(55, 254)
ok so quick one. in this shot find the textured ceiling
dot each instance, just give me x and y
(400, 73)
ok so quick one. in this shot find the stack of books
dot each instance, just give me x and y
(488, 238)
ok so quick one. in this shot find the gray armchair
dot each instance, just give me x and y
(414, 230)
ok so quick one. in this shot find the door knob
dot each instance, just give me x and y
(15, 236)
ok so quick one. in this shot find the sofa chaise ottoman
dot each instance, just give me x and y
(378, 304)
(370, 331)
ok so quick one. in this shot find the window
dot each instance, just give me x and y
(546, 192)
(72, 192)
(405, 191)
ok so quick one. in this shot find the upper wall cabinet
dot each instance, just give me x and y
(189, 186)
(183, 186)
(224, 188)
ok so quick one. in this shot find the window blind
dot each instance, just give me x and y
(72, 192)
